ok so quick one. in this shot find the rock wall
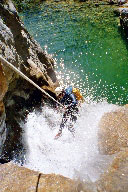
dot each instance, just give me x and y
(20, 179)
(21, 50)
(113, 140)
(3, 89)
(123, 13)
(115, 179)
(113, 132)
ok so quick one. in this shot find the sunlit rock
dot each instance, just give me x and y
(20, 179)
(113, 132)
(21, 50)
(3, 83)
(116, 177)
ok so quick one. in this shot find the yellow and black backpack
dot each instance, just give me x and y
(78, 94)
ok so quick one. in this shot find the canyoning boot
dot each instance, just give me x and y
(58, 135)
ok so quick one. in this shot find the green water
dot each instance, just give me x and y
(87, 46)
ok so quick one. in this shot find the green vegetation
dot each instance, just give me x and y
(28, 4)
(25, 4)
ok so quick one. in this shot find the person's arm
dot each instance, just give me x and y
(63, 99)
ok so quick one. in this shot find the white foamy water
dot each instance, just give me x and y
(69, 156)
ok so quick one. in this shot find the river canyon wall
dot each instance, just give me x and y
(21, 50)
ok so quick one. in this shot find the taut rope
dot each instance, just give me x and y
(4, 61)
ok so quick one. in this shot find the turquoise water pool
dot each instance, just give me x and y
(87, 45)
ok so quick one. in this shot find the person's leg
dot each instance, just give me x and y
(73, 119)
(72, 122)
(64, 120)
(62, 125)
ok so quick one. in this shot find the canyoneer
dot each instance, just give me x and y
(70, 98)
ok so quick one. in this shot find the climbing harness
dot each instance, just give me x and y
(4, 61)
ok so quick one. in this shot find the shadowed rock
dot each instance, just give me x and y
(3, 89)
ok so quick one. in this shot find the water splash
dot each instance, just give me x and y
(69, 156)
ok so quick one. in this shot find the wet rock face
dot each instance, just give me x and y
(3, 89)
(22, 51)
(113, 132)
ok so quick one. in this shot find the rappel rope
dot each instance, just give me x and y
(4, 61)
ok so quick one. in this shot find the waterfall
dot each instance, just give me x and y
(71, 156)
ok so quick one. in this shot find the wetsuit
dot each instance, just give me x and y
(70, 100)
